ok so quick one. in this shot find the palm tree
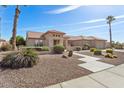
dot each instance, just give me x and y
(109, 21)
(14, 30)
(17, 12)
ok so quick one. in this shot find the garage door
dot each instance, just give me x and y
(100, 44)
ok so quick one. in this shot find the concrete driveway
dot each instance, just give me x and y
(110, 78)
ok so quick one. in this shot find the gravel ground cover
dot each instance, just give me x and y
(51, 69)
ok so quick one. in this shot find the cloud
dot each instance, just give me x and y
(121, 16)
(95, 20)
(91, 27)
(63, 10)
(85, 22)
(119, 22)
(98, 26)
(102, 33)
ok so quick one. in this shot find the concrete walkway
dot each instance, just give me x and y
(110, 78)
(92, 63)
(119, 50)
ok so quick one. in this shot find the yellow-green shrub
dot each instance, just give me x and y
(109, 51)
(97, 52)
(92, 49)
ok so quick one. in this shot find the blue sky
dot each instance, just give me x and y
(73, 20)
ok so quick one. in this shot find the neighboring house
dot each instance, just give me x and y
(91, 41)
(34, 39)
(53, 37)
(3, 42)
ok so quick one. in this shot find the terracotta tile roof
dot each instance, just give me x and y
(84, 37)
(2, 40)
(54, 31)
(75, 38)
(35, 35)
(96, 38)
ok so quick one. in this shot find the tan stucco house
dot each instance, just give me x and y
(53, 37)
(3, 42)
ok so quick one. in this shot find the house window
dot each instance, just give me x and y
(38, 42)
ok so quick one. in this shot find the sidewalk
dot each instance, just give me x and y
(110, 78)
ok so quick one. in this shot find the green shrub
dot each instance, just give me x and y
(6, 47)
(97, 52)
(24, 58)
(36, 48)
(45, 48)
(59, 49)
(78, 48)
(70, 53)
(109, 55)
(86, 47)
(109, 51)
(92, 49)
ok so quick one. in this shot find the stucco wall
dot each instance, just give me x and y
(81, 43)
(91, 43)
(33, 42)
(49, 38)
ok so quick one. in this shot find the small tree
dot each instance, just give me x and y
(19, 40)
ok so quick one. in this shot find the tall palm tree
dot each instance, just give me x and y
(17, 12)
(110, 19)
(14, 30)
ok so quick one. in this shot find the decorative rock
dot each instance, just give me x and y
(70, 53)
(64, 56)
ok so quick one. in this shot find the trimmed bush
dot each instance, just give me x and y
(109, 51)
(109, 55)
(36, 48)
(25, 58)
(70, 53)
(86, 47)
(97, 52)
(44, 48)
(58, 49)
(78, 48)
(92, 49)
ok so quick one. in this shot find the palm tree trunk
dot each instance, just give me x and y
(15, 28)
(110, 35)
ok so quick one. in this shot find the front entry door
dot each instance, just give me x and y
(56, 42)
